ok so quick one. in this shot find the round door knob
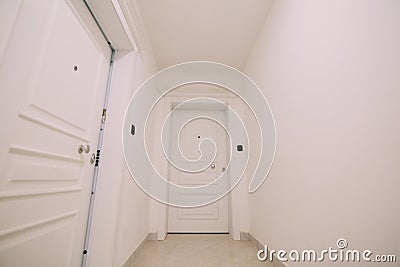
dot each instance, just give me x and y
(212, 166)
(83, 148)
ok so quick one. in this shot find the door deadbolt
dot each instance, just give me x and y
(83, 148)
(92, 158)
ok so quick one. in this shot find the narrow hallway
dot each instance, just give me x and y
(150, 133)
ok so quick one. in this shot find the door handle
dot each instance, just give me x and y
(212, 166)
(83, 148)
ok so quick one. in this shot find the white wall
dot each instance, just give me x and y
(121, 208)
(134, 203)
(331, 72)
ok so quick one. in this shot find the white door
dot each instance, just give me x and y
(212, 218)
(52, 82)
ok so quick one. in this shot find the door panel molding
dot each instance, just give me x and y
(51, 122)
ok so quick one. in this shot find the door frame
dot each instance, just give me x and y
(238, 196)
(117, 32)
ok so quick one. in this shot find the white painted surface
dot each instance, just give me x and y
(222, 31)
(110, 173)
(48, 110)
(118, 229)
(330, 70)
(111, 19)
(213, 217)
(239, 195)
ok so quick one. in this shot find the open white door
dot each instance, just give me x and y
(52, 87)
(211, 218)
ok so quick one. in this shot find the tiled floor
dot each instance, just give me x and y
(192, 250)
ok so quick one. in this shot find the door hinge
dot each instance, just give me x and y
(104, 116)
(97, 157)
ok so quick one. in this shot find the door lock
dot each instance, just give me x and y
(92, 158)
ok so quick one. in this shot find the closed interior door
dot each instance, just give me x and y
(211, 218)
(52, 79)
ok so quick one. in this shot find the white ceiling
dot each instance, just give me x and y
(215, 30)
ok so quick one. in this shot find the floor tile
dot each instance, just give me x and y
(197, 250)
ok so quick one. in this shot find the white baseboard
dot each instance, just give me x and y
(244, 236)
(276, 262)
(131, 259)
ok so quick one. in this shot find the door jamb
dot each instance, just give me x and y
(89, 222)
